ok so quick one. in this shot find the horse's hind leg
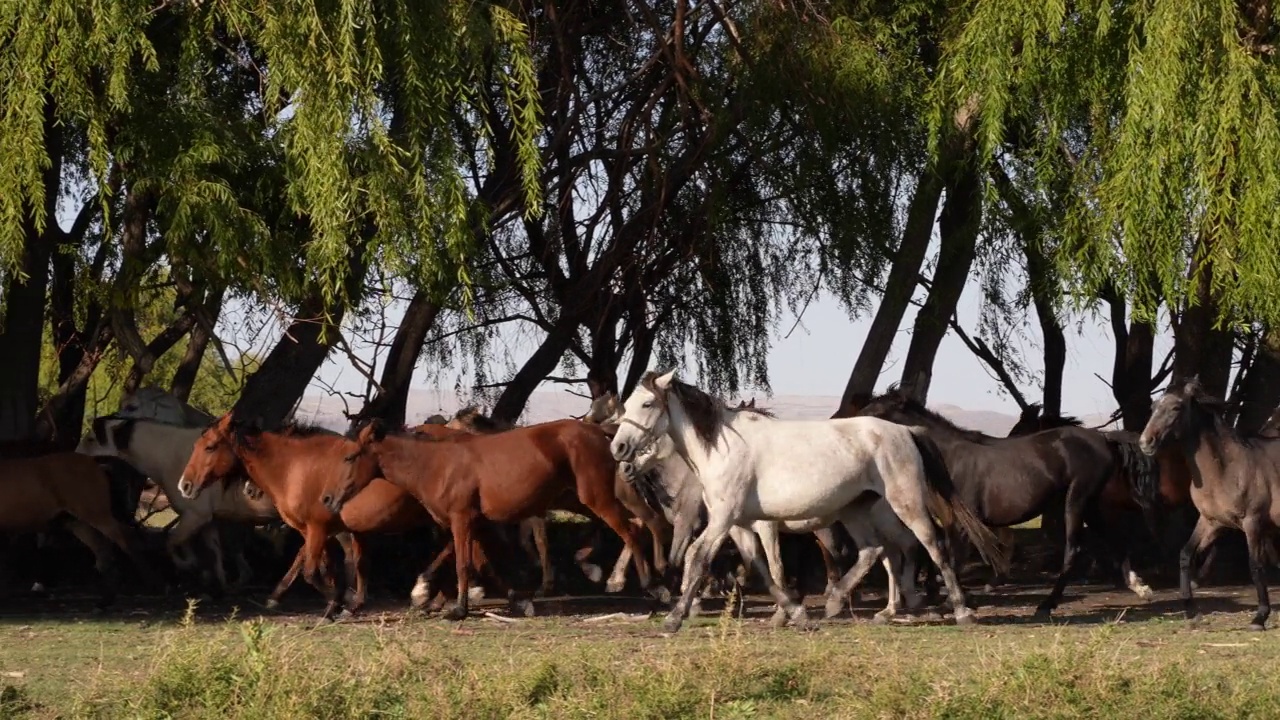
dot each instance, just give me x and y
(112, 530)
(273, 601)
(1255, 536)
(540, 541)
(611, 511)
(101, 556)
(212, 536)
(767, 532)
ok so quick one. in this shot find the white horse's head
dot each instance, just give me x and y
(644, 416)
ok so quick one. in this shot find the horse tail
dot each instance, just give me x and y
(949, 508)
(1143, 473)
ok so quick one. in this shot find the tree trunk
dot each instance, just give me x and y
(1131, 368)
(959, 223)
(156, 349)
(602, 371)
(24, 302)
(392, 401)
(898, 290)
(1200, 349)
(278, 384)
(184, 378)
(544, 360)
(62, 417)
(1260, 388)
(1044, 287)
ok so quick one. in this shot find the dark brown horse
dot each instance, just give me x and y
(35, 492)
(468, 482)
(1235, 482)
(1009, 481)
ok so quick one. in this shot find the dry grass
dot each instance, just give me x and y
(411, 667)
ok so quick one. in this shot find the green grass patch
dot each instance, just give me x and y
(553, 668)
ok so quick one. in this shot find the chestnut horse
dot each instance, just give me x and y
(466, 480)
(291, 468)
(37, 491)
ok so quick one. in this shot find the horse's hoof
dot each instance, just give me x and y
(522, 607)
(1257, 627)
(988, 588)
(672, 623)
(345, 615)
(456, 613)
(38, 588)
(419, 597)
(273, 604)
(1043, 614)
(1144, 592)
(475, 593)
(833, 608)
(661, 594)
(966, 619)
(544, 591)
(615, 586)
(779, 617)
(879, 619)
(593, 572)
(696, 608)
(349, 598)
(800, 619)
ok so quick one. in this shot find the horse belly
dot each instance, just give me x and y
(798, 501)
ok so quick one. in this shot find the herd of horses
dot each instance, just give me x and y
(911, 491)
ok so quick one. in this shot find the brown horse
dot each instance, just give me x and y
(37, 491)
(291, 468)
(1235, 482)
(467, 482)
(532, 529)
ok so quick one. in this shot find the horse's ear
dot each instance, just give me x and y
(376, 430)
(663, 381)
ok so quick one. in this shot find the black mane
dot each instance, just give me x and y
(897, 399)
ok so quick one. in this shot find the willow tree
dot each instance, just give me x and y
(1161, 116)
(349, 147)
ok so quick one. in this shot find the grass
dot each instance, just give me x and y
(412, 667)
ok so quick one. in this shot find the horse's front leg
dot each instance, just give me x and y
(696, 566)
(462, 536)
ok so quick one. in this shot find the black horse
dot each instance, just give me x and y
(1008, 481)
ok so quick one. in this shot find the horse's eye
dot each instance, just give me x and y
(211, 447)
(647, 404)
(350, 458)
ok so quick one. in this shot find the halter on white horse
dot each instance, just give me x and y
(812, 472)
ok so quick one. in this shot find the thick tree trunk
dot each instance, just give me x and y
(544, 360)
(184, 378)
(959, 224)
(278, 384)
(1260, 388)
(602, 371)
(1132, 366)
(898, 290)
(391, 402)
(62, 417)
(1200, 349)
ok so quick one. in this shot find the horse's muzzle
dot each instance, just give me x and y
(628, 469)
(333, 503)
(186, 488)
(1146, 446)
(622, 450)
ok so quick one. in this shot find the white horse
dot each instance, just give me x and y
(880, 528)
(753, 467)
(160, 451)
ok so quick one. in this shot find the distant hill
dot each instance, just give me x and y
(551, 405)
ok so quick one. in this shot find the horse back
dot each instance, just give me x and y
(35, 490)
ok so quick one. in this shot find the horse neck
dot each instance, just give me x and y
(404, 458)
(687, 443)
(1205, 453)
(161, 451)
(268, 464)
